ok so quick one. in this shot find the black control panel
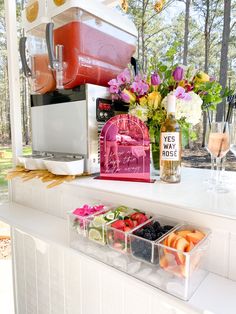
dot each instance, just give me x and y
(106, 109)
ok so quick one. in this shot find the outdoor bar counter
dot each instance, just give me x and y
(51, 277)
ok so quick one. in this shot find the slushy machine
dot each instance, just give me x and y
(70, 51)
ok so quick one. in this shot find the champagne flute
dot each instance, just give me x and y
(218, 144)
(233, 138)
(210, 180)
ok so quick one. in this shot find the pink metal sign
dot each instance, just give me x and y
(125, 150)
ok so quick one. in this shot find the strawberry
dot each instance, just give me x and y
(118, 224)
(127, 229)
(118, 236)
(142, 218)
(129, 223)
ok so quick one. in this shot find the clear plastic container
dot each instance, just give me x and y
(94, 49)
(119, 239)
(155, 229)
(33, 48)
(78, 223)
(182, 255)
(97, 226)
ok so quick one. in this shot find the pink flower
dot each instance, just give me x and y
(114, 89)
(178, 74)
(124, 77)
(181, 94)
(140, 87)
(114, 86)
(86, 210)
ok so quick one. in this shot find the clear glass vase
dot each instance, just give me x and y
(155, 158)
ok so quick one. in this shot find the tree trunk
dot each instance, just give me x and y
(206, 66)
(224, 56)
(186, 32)
(143, 36)
(207, 36)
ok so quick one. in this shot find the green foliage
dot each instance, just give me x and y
(211, 94)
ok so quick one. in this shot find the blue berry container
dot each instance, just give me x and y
(143, 240)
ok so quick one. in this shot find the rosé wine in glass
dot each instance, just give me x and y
(218, 144)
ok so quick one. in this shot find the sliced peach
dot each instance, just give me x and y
(183, 270)
(190, 247)
(174, 241)
(165, 242)
(183, 233)
(164, 262)
(181, 245)
(195, 237)
(170, 238)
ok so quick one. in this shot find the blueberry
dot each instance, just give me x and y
(156, 225)
(167, 228)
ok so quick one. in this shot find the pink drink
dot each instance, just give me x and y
(90, 55)
(218, 144)
(43, 79)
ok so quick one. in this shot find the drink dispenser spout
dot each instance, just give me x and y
(59, 66)
(56, 61)
(22, 48)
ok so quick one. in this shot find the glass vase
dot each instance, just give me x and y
(155, 155)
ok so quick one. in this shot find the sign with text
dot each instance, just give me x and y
(125, 150)
(170, 146)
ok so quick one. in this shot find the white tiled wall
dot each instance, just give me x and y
(62, 281)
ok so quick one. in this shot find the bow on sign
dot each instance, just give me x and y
(158, 5)
(124, 5)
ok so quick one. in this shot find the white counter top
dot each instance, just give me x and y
(191, 193)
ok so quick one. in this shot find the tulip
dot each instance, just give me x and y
(143, 101)
(178, 74)
(155, 79)
(201, 77)
(154, 99)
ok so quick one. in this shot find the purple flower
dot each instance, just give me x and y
(140, 87)
(178, 74)
(124, 77)
(212, 79)
(181, 94)
(155, 79)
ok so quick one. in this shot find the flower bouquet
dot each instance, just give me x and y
(147, 97)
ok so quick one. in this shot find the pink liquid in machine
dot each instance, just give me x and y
(90, 55)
